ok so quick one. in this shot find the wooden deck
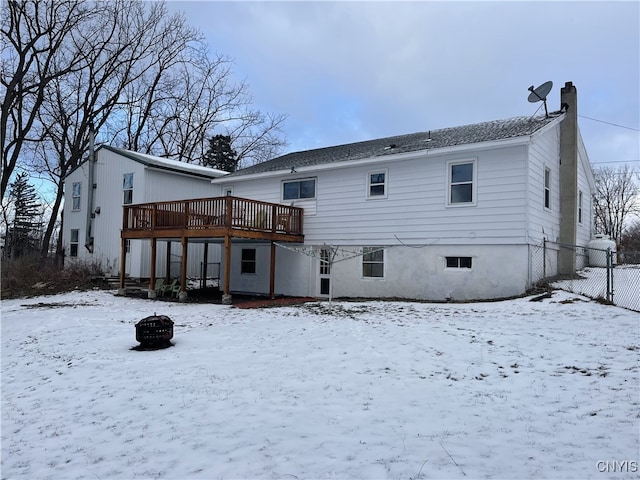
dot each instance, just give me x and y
(207, 218)
(211, 218)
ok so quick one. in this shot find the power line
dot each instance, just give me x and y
(616, 161)
(610, 123)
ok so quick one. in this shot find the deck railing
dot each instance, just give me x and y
(217, 212)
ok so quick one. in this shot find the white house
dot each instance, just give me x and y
(455, 213)
(447, 214)
(96, 191)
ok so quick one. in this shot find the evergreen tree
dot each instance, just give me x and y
(220, 155)
(25, 230)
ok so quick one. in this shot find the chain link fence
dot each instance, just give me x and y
(605, 275)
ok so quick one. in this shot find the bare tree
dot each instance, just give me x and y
(187, 99)
(117, 46)
(145, 81)
(34, 53)
(616, 200)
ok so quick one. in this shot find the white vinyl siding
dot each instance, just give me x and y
(544, 153)
(417, 210)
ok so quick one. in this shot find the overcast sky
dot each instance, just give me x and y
(350, 71)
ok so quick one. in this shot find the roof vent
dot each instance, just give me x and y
(393, 145)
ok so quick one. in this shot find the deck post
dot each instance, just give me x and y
(167, 275)
(226, 297)
(123, 262)
(152, 270)
(182, 296)
(272, 271)
(203, 280)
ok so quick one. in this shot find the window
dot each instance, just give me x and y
(372, 262)
(73, 244)
(127, 188)
(547, 188)
(325, 271)
(377, 184)
(299, 189)
(458, 262)
(579, 207)
(248, 264)
(76, 196)
(461, 175)
(325, 265)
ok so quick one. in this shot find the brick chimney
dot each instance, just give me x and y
(568, 178)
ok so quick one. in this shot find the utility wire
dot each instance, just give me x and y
(616, 161)
(610, 123)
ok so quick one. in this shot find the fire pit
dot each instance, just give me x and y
(155, 331)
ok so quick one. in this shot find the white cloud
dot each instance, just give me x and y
(347, 71)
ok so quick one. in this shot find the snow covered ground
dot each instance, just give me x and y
(593, 283)
(512, 389)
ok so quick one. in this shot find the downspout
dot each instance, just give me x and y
(88, 241)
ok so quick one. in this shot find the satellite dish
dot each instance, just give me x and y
(540, 94)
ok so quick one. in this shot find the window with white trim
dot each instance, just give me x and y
(325, 264)
(461, 179)
(325, 271)
(299, 189)
(75, 196)
(377, 184)
(372, 262)
(127, 188)
(547, 188)
(579, 207)
(248, 264)
(458, 262)
(73, 243)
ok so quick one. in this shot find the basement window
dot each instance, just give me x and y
(458, 262)
(73, 244)
(372, 262)
(248, 264)
(75, 196)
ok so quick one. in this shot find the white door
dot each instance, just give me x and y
(325, 272)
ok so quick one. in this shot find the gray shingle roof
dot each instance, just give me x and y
(446, 137)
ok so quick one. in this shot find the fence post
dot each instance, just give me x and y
(609, 277)
(544, 258)
(612, 264)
